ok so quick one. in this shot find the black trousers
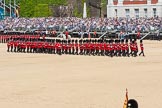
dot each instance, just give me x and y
(142, 52)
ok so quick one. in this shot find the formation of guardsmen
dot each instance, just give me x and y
(96, 47)
(6, 38)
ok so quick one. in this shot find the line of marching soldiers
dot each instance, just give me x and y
(78, 47)
(6, 38)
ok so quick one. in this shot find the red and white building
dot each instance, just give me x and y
(134, 8)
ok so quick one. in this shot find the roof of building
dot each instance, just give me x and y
(132, 2)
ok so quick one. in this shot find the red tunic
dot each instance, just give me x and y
(8, 44)
(75, 45)
(112, 47)
(16, 43)
(12, 43)
(63, 46)
(108, 47)
(23, 45)
(123, 47)
(59, 46)
(81, 46)
(102, 46)
(54, 45)
(87, 46)
(92, 46)
(40, 45)
(126, 47)
(115, 46)
(141, 46)
(70, 46)
(84, 46)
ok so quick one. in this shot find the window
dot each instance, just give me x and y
(127, 12)
(136, 13)
(154, 12)
(145, 12)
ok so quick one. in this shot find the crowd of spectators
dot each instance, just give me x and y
(82, 25)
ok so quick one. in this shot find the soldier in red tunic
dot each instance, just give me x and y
(84, 47)
(93, 47)
(48, 47)
(56, 46)
(15, 46)
(66, 47)
(142, 48)
(115, 48)
(69, 46)
(8, 46)
(89, 47)
(122, 48)
(35, 47)
(24, 47)
(102, 48)
(98, 47)
(136, 48)
(63, 47)
(76, 45)
(131, 47)
(12, 45)
(126, 48)
(111, 48)
(106, 48)
(73, 47)
(28, 46)
(59, 47)
(81, 47)
(118, 48)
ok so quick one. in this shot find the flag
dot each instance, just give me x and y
(126, 99)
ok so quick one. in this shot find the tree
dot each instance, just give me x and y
(38, 8)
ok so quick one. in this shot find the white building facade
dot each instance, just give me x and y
(134, 8)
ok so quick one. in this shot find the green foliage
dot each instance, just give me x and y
(103, 3)
(77, 13)
(42, 10)
(88, 11)
(56, 2)
(83, 1)
(38, 8)
(27, 8)
(103, 7)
